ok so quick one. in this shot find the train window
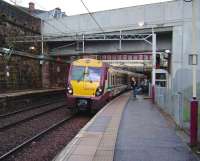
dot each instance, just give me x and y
(77, 73)
(110, 77)
(94, 74)
(118, 80)
(113, 80)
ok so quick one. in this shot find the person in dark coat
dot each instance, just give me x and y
(134, 86)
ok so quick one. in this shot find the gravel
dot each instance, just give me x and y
(16, 135)
(26, 114)
(46, 148)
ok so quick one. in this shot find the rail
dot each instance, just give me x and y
(26, 142)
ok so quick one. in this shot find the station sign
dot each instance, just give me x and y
(193, 59)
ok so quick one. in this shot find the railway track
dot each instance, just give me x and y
(27, 109)
(35, 137)
(9, 125)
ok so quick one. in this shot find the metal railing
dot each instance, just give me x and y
(174, 104)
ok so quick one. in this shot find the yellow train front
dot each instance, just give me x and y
(91, 83)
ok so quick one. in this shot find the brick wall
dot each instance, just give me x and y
(24, 72)
(14, 21)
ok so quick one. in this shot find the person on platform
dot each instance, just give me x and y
(146, 85)
(134, 86)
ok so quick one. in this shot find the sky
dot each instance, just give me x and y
(73, 7)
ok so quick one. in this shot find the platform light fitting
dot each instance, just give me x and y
(41, 62)
(167, 51)
(32, 48)
(8, 74)
(141, 23)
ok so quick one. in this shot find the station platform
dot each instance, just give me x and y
(19, 99)
(127, 130)
(27, 92)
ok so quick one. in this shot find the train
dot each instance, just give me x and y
(91, 83)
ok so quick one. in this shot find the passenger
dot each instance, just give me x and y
(134, 86)
(139, 87)
(142, 86)
(146, 85)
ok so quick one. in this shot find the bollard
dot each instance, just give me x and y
(193, 122)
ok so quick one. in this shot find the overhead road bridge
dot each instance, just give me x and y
(171, 21)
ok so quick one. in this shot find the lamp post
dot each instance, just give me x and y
(42, 43)
(153, 65)
(193, 60)
(153, 44)
(193, 104)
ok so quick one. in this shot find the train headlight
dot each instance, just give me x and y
(99, 91)
(69, 90)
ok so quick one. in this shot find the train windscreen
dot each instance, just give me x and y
(81, 73)
(94, 74)
(77, 73)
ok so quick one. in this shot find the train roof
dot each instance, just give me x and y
(88, 62)
(98, 63)
(118, 70)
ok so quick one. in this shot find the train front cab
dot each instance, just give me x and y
(85, 87)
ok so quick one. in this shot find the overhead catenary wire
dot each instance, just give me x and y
(91, 15)
(57, 29)
(67, 45)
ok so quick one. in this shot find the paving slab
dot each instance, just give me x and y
(127, 130)
(96, 141)
(145, 135)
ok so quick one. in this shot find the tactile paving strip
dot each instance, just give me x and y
(96, 141)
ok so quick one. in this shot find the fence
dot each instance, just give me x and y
(170, 102)
(178, 105)
(175, 104)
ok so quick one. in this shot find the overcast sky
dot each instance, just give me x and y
(72, 7)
